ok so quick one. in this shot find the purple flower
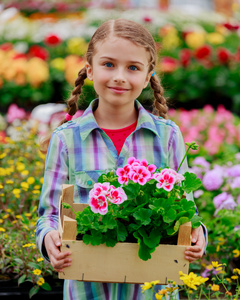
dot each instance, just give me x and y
(234, 171)
(235, 183)
(201, 161)
(213, 180)
(229, 203)
(219, 199)
(238, 199)
(198, 193)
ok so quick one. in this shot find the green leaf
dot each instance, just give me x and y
(144, 252)
(108, 222)
(33, 291)
(33, 265)
(131, 190)
(95, 238)
(121, 232)
(196, 221)
(153, 240)
(170, 216)
(21, 279)
(191, 182)
(46, 286)
(143, 215)
(18, 260)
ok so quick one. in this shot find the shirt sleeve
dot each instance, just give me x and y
(176, 152)
(55, 175)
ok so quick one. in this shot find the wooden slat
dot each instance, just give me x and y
(184, 234)
(122, 264)
(69, 229)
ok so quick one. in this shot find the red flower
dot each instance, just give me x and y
(3, 137)
(231, 27)
(147, 19)
(20, 55)
(203, 52)
(39, 52)
(185, 57)
(52, 40)
(6, 46)
(168, 64)
(223, 55)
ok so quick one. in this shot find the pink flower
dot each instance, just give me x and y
(14, 112)
(140, 174)
(123, 174)
(117, 195)
(213, 180)
(99, 204)
(100, 189)
(166, 179)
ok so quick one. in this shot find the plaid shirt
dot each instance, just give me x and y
(79, 152)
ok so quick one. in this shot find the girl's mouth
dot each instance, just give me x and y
(118, 90)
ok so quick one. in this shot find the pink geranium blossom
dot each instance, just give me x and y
(123, 174)
(140, 174)
(117, 195)
(166, 179)
(99, 204)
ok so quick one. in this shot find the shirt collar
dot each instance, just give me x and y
(88, 123)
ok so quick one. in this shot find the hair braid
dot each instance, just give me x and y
(160, 103)
(71, 103)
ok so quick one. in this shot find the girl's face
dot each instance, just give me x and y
(119, 71)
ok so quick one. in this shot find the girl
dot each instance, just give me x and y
(120, 61)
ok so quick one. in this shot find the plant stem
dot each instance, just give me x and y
(183, 159)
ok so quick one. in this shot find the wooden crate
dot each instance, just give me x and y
(119, 263)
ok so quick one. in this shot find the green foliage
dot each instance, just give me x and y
(147, 217)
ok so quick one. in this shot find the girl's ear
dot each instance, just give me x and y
(147, 80)
(89, 71)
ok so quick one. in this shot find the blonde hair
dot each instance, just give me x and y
(135, 33)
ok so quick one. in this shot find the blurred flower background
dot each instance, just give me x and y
(42, 47)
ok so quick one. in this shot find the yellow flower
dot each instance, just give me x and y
(218, 248)
(41, 180)
(195, 39)
(37, 187)
(158, 297)
(192, 280)
(19, 217)
(3, 155)
(9, 210)
(9, 182)
(215, 264)
(1, 221)
(77, 46)
(30, 180)
(6, 216)
(41, 281)
(215, 287)
(236, 271)
(24, 185)
(229, 280)
(1, 186)
(25, 172)
(236, 253)
(215, 38)
(37, 71)
(155, 282)
(2, 229)
(39, 259)
(16, 191)
(36, 192)
(20, 166)
(27, 214)
(37, 272)
(10, 161)
(58, 63)
(234, 277)
(34, 209)
(146, 286)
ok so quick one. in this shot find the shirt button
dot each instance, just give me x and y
(89, 182)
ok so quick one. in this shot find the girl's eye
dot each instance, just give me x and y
(108, 65)
(133, 68)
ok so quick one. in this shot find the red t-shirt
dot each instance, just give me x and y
(118, 136)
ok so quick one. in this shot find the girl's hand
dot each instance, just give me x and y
(196, 251)
(58, 259)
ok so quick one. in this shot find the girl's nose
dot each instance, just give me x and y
(119, 76)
